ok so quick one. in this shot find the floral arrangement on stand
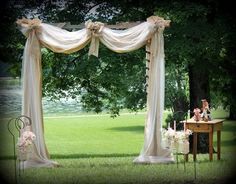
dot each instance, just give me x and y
(24, 144)
(177, 141)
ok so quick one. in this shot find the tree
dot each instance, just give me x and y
(201, 34)
(203, 54)
(102, 83)
(12, 41)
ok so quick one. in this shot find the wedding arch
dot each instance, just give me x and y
(149, 33)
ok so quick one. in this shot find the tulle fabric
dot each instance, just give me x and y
(120, 41)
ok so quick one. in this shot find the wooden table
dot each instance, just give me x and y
(209, 127)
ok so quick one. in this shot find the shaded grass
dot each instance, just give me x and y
(122, 170)
(99, 149)
(135, 129)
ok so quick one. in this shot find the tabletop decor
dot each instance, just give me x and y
(203, 114)
(197, 114)
(206, 113)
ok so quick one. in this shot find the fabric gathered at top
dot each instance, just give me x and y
(62, 41)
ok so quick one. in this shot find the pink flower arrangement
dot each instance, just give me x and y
(24, 142)
(197, 114)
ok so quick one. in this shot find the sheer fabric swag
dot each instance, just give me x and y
(61, 41)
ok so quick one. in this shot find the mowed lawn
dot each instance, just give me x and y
(99, 149)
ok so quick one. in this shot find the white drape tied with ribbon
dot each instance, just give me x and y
(62, 41)
(95, 30)
(28, 25)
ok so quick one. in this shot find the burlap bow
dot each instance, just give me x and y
(27, 25)
(95, 29)
(159, 22)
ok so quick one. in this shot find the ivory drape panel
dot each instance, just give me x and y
(58, 40)
(62, 41)
(121, 41)
(32, 101)
(152, 151)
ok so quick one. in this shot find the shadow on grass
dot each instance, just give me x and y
(78, 155)
(229, 128)
(135, 129)
(66, 156)
(231, 142)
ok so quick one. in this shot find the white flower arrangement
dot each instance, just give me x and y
(176, 140)
(24, 143)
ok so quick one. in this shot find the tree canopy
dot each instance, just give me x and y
(199, 46)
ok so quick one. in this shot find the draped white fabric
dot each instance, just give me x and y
(62, 41)
(32, 101)
(152, 151)
(128, 40)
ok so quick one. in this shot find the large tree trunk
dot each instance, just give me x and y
(232, 108)
(199, 89)
(232, 112)
(199, 85)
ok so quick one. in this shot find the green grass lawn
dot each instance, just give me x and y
(99, 149)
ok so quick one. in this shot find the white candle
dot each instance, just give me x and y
(174, 125)
(168, 125)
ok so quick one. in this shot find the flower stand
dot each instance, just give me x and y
(177, 142)
(19, 127)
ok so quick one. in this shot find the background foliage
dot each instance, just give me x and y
(199, 48)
